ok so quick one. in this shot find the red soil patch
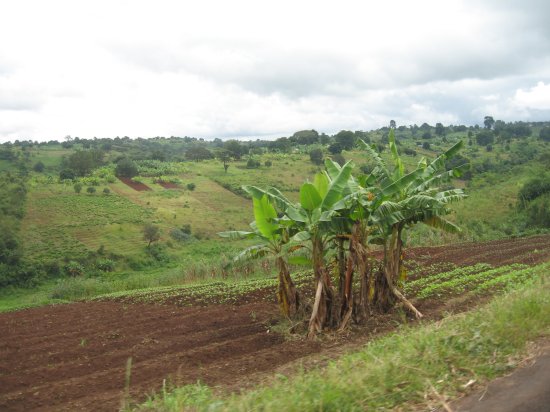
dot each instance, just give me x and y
(140, 187)
(73, 357)
(168, 185)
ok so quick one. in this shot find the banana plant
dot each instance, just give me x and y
(404, 199)
(273, 234)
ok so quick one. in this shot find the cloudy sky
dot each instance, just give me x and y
(266, 68)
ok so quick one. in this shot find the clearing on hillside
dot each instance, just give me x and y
(140, 187)
(73, 357)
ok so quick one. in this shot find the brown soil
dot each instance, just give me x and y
(168, 185)
(73, 357)
(140, 187)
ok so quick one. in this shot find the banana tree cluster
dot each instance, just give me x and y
(332, 228)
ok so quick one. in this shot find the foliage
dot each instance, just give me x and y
(151, 233)
(126, 168)
(316, 156)
(77, 187)
(91, 190)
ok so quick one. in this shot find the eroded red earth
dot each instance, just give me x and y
(73, 357)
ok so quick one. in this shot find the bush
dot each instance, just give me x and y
(191, 186)
(105, 265)
(67, 174)
(77, 187)
(126, 168)
(106, 191)
(252, 164)
(38, 167)
(268, 163)
(157, 252)
(74, 269)
(91, 190)
(180, 235)
(316, 156)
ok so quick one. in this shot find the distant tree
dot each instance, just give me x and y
(426, 146)
(151, 233)
(485, 137)
(338, 158)
(316, 156)
(66, 174)
(488, 121)
(191, 186)
(335, 148)
(126, 168)
(324, 138)
(77, 187)
(91, 190)
(82, 162)
(253, 164)
(38, 167)
(439, 129)
(106, 191)
(306, 137)
(544, 134)
(225, 158)
(198, 153)
(392, 124)
(346, 139)
(426, 135)
(234, 148)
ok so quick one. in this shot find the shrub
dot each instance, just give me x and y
(252, 164)
(91, 190)
(191, 186)
(180, 235)
(268, 163)
(77, 187)
(126, 168)
(105, 265)
(106, 191)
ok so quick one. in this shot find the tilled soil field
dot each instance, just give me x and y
(74, 357)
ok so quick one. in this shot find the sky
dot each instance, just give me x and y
(265, 69)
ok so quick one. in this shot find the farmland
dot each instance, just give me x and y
(177, 304)
(217, 331)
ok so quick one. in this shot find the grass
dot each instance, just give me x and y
(415, 368)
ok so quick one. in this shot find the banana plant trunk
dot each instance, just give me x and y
(322, 306)
(393, 261)
(287, 295)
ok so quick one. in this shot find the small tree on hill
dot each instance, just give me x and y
(77, 188)
(151, 233)
(126, 168)
(316, 156)
(91, 190)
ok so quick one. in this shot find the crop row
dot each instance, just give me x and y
(511, 279)
(459, 272)
(465, 282)
(205, 293)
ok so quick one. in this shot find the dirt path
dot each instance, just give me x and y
(526, 390)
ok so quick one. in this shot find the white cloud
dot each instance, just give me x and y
(248, 68)
(537, 97)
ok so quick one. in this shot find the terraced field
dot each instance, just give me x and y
(74, 357)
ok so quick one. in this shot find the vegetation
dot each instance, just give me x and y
(413, 368)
